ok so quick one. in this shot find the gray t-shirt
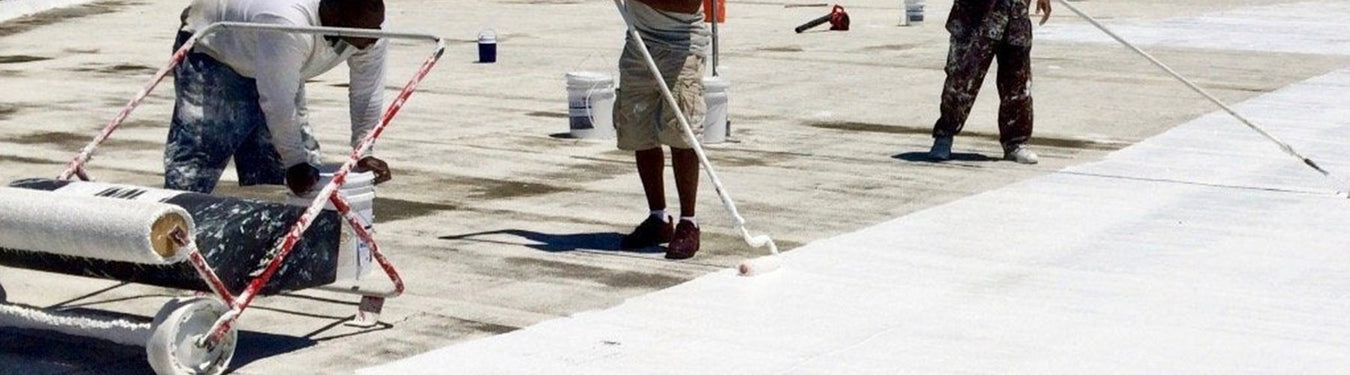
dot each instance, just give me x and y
(670, 30)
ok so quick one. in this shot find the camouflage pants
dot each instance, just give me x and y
(215, 117)
(967, 63)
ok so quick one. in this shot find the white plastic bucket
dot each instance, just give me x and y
(716, 92)
(354, 258)
(590, 105)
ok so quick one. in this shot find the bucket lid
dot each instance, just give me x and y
(589, 78)
(354, 179)
(716, 83)
(487, 36)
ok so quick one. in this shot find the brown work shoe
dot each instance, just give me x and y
(685, 242)
(653, 231)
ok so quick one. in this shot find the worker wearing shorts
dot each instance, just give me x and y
(675, 36)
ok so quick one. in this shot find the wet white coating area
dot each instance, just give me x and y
(1201, 250)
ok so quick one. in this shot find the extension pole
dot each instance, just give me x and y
(1340, 184)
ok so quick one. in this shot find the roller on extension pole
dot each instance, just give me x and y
(749, 267)
(1342, 188)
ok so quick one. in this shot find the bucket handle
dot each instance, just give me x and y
(590, 114)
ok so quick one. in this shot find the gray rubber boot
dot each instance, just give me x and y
(942, 149)
(1021, 155)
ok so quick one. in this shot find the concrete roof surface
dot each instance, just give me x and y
(498, 223)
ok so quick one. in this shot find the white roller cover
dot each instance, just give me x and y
(91, 227)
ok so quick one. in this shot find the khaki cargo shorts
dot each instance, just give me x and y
(642, 119)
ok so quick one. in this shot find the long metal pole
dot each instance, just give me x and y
(713, 4)
(76, 165)
(1340, 184)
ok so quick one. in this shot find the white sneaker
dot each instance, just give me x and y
(942, 149)
(1021, 155)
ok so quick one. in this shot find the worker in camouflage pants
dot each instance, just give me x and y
(983, 30)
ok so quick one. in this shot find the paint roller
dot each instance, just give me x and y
(750, 267)
(759, 266)
(92, 227)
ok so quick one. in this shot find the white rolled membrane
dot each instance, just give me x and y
(91, 227)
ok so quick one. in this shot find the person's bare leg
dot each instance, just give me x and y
(651, 165)
(685, 162)
(685, 241)
(657, 228)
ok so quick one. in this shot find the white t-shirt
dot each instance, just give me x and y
(281, 62)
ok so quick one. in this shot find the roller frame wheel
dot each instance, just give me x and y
(169, 308)
(173, 349)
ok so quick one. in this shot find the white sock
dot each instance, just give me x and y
(690, 219)
(661, 214)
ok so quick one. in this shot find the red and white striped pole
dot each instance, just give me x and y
(302, 224)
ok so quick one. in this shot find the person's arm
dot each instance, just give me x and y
(278, 58)
(680, 6)
(365, 93)
(366, 97)
(1043, 8)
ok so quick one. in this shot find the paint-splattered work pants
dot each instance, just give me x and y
(216, 116)
(967, 63)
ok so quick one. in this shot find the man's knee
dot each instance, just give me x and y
(186, 176)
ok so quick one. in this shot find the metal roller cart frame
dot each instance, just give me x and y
(197, 334)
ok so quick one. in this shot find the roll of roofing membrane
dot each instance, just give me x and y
(236, 236)
(92, 227)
